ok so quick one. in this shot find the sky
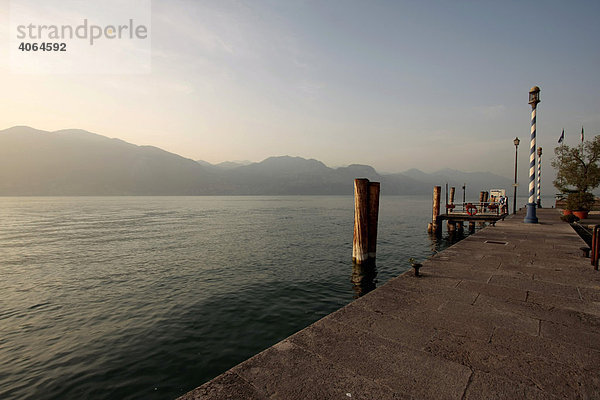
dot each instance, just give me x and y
(393, 84)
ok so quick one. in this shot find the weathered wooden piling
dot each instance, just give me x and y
(433, 226)
(451, 227)
(471, 226)
(486, 196)
(363, 279)
(481, 196)
(373, 217)
(366, 212)
(450, 201)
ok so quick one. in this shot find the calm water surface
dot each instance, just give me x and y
(148, 297)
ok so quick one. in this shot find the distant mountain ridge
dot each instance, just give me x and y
(474, 181)
(73, 162)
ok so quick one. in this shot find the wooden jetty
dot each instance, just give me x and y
(511, 312)
(481, 212)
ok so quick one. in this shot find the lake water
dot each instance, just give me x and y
(149, 297)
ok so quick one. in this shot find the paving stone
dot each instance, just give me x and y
(501, 292)
(558, 315)
(484, 316)
(398, 303)
(459, 274)
(536, 286)
(437, 293)
(475, 265)
(409, 334)
(228, 386)
(566, 353)
(574, 276)
(570, 334)
(405, 370)
(486, 386)
(586, 306)
(591, 294)
(287, 371)
(526, 369)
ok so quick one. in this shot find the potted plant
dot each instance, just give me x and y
(580, 203)
(415, 265)
(578, 173)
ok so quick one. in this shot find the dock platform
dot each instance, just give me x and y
(464, 217)
(511, 312)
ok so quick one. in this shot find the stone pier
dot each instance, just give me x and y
(510, 312)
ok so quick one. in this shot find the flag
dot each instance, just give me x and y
(562, 137)
(581, 133)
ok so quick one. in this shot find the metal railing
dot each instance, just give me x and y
(478, 208)
(595, 246)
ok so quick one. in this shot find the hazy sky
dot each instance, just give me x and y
(394, 84)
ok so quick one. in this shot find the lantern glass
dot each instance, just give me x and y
(516, 141)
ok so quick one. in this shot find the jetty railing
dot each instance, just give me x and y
(595, 246)
(494, 208)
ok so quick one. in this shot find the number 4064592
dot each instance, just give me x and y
(46, 46)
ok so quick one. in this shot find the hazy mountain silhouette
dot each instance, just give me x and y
(76, 162)
(475, 181)
(224, 164)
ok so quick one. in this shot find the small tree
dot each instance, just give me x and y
(577, 167)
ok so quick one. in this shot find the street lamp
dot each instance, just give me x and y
(539, 190)
(534, 99)
(516, 142)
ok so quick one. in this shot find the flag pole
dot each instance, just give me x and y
(539, 178)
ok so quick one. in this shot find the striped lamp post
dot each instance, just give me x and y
(534, 99)
(539, 178)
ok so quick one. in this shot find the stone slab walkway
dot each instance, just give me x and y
(512, 312)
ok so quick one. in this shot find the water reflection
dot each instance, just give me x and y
(363, 278)
(442, 242)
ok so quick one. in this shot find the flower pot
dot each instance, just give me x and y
(567, 212)
(581, 214)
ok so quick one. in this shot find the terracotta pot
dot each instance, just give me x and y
(581, 214)
(567, 212)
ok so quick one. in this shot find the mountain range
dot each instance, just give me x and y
(75, 162)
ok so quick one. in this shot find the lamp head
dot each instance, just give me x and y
(534, 96)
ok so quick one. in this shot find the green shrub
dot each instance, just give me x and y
(580, 201)
(569, 218)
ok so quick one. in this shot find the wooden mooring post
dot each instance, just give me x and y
(471, 226)
(434, 226)
(366, 214)
(481, 197)
(451, 227)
